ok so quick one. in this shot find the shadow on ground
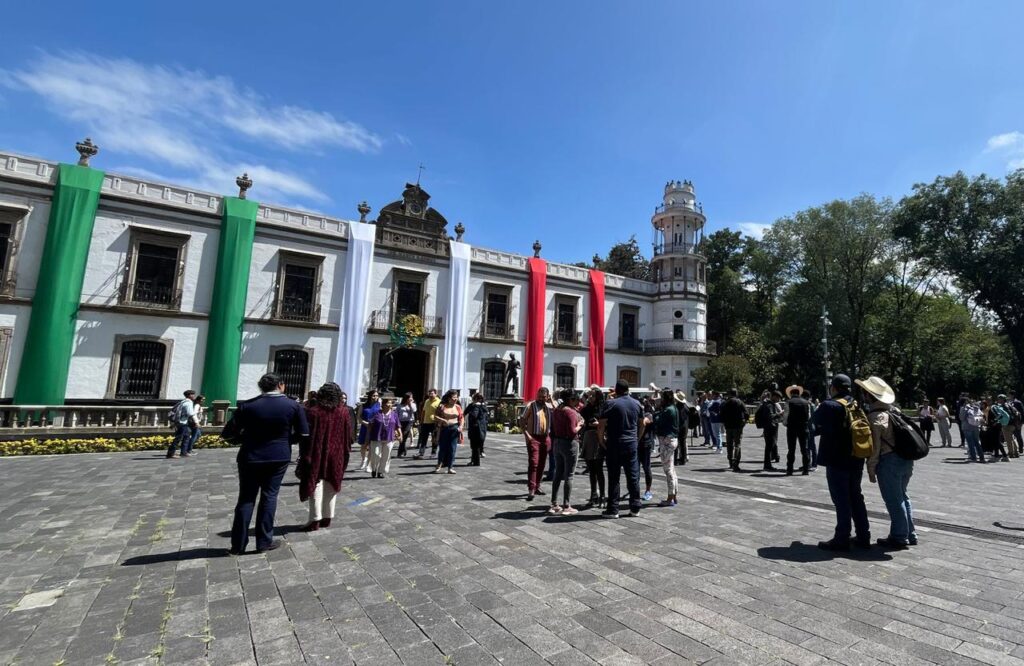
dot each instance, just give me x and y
(805, 552)
(176, 556)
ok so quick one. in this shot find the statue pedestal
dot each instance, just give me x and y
(507, 410)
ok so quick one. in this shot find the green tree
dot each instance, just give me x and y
(723, 373)
(973, 230)
(627, 260)
(843, 255)
(729, 303)
(750, 344)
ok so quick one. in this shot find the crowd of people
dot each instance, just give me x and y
(613, 433)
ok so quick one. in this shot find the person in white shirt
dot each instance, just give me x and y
(182, 417)
(942, 417)
(406, 418)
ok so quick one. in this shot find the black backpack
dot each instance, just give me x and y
(908, 440)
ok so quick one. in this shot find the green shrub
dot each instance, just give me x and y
(35, 447)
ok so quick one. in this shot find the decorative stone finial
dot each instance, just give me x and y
(244, 183)
(364, 210)
(536, 248)
(596, 260)
(460, 229)
(86, 149)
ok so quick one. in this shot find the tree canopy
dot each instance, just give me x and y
(927, 293)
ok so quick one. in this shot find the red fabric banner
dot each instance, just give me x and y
(536, 307)
(595, 355)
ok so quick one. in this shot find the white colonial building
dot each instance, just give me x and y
(158, 278)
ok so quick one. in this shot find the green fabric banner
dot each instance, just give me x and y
(227, 310)
(43, 375)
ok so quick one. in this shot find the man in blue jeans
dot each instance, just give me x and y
(971, 418)
(265, 427)
(620, 426)
(182, 417)
(843, 471)
(715, 420)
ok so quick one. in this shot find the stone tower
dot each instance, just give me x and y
(678, 340)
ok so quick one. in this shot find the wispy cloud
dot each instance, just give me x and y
(1010, 146)
(185, 120)
(753, 229)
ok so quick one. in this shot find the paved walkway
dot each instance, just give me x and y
(118, 559)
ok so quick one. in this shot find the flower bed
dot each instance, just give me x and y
(35, 447)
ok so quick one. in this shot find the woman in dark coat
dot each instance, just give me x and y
(592, 450)
(324, 456)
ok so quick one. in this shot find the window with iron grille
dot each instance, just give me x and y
(6, 230)
(154, 269)
(156, 274)
(565, 376)
(292, 366)
(494, 379)
(298, 287)
(628, 328)
(11, 223)
(408, 297)
(140, 370)
(496, 315)
(565, 321)
(629, 375)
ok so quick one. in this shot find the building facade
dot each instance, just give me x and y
(155, 264)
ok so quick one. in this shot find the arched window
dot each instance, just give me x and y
(629, 375)
(140, 370)
(493, 382)
(292, 366)
(565, 376)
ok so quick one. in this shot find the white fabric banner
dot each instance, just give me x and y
(348, 369)
(456, 336)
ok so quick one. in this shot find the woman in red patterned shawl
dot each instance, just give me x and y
(324, 456)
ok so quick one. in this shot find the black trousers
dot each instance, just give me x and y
(793, 437)
(771, 444)
(844, 487)
(263, 479)
(623, 457)
(426, 432)
(476, 446)
(406, 436)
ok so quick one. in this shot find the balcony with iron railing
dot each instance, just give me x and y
(679, 205)
(694, 249)
(150, 293)
(381, 320)
(630, 344)
(297, 309)
(498, 331)
(567, 338)
(673, 346)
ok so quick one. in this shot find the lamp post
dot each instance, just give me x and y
(825, 323)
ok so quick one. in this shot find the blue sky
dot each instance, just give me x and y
(559, 121)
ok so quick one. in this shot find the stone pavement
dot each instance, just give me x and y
(118, 558)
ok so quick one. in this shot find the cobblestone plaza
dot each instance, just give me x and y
(120, 558)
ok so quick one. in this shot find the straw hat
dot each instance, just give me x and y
(680, 396)
(795, 387)
(878, 387)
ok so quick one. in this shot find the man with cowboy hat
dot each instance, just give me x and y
(890, 470)
(796, 420)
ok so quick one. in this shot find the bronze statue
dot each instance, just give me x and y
(512, 375)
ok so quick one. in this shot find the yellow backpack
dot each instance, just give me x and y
(860, 429)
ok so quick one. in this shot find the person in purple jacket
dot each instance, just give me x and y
(383, 431)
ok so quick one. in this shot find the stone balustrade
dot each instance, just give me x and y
(44, 421)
